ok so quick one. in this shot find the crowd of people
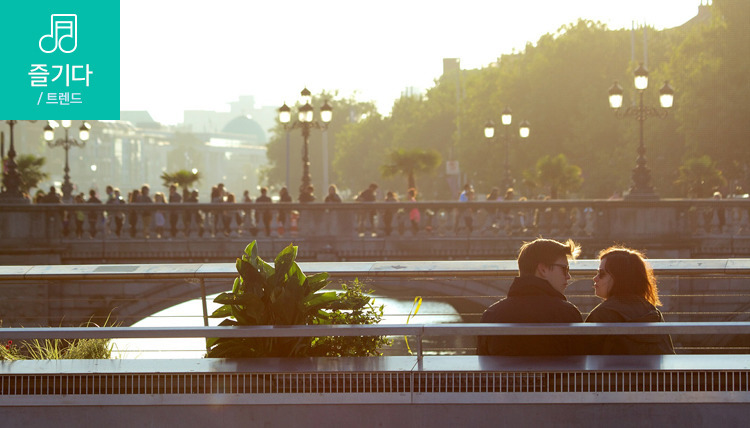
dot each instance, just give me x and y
(268, 221)
(165, 224)
(511, 221)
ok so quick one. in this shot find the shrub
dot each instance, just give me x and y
(283, 295)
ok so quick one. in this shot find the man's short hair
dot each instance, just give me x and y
(545, 251)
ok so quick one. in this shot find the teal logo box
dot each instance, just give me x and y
(61, 59)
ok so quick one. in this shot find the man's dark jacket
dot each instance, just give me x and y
(531, 300)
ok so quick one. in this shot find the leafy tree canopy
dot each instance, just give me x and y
(559, 84)
(699, 177)
(557, 175)
(181, 178)
(29, 168)
(411, 162)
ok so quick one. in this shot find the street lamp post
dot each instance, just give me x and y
(641, 176)
(305, 122)
(506, 118)
(66, 143)
(285, 113)
(11, 178)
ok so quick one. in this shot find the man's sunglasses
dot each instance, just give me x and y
(565, 268)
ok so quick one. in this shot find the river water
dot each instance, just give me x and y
(189, 314)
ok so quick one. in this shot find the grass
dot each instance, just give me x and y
(57, 349)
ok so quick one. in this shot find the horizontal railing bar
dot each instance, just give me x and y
(400, 269)
(459, 329)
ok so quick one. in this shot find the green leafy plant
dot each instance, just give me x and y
(283, 295)
(363, 312)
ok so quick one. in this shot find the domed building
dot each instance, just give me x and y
(245, 128)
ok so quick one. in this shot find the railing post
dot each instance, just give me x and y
(203, 300)
(205, 307)
(420, 334)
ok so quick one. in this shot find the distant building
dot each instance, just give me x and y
(451, 65)
(139, 118)
(207, 121)
(137, 150)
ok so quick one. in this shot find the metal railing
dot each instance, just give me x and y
(418, 331)
(702, 294)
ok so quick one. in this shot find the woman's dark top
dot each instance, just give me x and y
(628, 309)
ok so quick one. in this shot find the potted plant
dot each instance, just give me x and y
(281, 294)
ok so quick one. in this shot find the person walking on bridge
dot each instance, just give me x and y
(536, 296)
(367, 195)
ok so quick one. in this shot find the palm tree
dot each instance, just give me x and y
(410, 163)
(555, 173)
(699, 177)
(182, 178)
(29, 169)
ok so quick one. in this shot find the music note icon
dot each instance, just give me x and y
(62, 27)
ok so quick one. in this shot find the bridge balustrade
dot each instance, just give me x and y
(95, 233)
(501, 218)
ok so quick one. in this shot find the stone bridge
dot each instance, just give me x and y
(52, 234)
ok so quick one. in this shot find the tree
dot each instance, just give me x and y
(182, 178)
(559, 84)
(699, 177)
(556, 174)
(351, 169)
(410, 163)
(714, 85)
(29, 169)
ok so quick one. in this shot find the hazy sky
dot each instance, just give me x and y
(178, 55)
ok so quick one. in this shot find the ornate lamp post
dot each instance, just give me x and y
(11, 179)
(285, 115)
(506, 118)
(306, 122)
(641, 176)
(66, 143)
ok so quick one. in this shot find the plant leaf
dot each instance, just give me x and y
(284, 261)
(266, 270)
(241, 316)
(317, 281)
(238, 287)
(249, 273)
(232, 299)
(320, 300)
(221, 312)
(252, 250)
